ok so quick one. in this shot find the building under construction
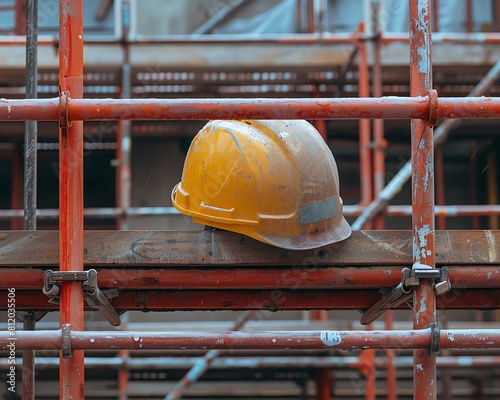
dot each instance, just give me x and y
(235, 199)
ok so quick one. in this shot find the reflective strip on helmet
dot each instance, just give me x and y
(318, 211)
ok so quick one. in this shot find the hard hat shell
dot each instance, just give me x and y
(275, 181)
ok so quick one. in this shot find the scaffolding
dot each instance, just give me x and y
(219, 270)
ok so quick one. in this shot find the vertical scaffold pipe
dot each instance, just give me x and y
(422, 153)
(30, 171)
(71, 375)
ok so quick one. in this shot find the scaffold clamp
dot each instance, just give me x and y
(440, 276)
(66, 341)
(433, 108)
(94, 297)
(64, 121)
(403, 293)
(435, 338)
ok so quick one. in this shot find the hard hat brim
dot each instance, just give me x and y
(300, 242)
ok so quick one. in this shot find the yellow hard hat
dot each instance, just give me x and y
(275, 181)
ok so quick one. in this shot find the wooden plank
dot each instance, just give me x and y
(219, 248)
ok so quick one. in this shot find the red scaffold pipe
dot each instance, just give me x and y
(204, 109)
(423, 219)
(294, 340)
(258, 278)
(70, 167)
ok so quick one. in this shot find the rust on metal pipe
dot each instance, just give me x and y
(417, 107)
(71, 372)
(274, 340)
(309, 109)
(327, 108)
(331, 340)
(248, 278)
(422, 156)
(24, 109)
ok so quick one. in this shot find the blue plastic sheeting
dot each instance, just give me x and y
(345, 15)
(263, 16)
(452, 15)
(48, 18)
(279, 19)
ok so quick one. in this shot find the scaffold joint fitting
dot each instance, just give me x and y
(66, 341)
(420, 271)
(433, 107)
(95, 298)
(64, 121)
(435, 338)
(403, 293)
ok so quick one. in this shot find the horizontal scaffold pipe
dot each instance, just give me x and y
(258, 278)
(234, 340)
(68, 110)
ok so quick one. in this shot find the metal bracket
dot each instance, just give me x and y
(403, 293)
(440, 276)
(435, 338)
(64, 121)
(433, 108)
(66, 341)
(94, 297)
